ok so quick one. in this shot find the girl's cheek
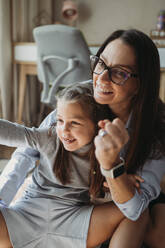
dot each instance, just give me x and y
(58, 131)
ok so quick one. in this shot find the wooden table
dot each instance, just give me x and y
(24, 70)
(25, 56)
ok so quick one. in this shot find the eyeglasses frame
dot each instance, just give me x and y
(108, 68)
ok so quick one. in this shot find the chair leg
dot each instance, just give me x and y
(22, 89)
(40, 116)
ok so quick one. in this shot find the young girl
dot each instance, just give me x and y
(55, 209)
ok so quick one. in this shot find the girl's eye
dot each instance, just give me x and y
(59, 120)
(75, 123)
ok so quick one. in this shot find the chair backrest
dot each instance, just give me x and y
(63, 58)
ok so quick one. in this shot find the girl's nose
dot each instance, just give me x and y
(66, 128)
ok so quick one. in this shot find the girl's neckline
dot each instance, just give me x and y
(83, 150)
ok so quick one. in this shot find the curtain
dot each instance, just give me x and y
(5, 60)
(17, 20)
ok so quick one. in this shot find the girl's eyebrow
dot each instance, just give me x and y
(77, 117)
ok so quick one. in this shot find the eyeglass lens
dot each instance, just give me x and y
(117, 75)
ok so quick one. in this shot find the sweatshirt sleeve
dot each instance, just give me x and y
(152, 174)
(22, 161)
(15, 135)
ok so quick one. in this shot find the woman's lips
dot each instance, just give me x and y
(102, 89)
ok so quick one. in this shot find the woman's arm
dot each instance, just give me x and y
(108, 148)
(152, 174)
(123, 192)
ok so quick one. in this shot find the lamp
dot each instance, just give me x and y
(70, 11)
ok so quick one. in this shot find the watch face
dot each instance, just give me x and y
(118, 171)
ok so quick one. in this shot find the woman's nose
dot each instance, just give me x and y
(104, 76)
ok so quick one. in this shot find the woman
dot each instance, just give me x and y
(126, 89)
(126, 76)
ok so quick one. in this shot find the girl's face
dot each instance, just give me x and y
(117, 54)
(74, 128)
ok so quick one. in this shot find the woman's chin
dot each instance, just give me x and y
(100, 98)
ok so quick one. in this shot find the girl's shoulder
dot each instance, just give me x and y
(45, 136)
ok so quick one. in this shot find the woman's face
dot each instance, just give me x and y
(117, 54)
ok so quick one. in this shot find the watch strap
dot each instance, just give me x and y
(116, 171)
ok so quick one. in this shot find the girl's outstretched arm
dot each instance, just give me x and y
(22, 161)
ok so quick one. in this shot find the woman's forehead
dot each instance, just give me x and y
(118, 52)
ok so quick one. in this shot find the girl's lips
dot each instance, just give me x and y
(67, 140)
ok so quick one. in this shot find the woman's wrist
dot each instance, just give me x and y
(111, 165)
(115, 171)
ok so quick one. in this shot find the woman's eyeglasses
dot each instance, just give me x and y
(116, 74)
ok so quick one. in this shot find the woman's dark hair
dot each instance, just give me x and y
(147, 139)
(83, 94)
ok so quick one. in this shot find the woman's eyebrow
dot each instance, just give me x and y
(131, 67)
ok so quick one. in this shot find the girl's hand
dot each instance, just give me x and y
(108, 146)
(135, 180)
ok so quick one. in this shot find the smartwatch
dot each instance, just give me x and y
(116, 171)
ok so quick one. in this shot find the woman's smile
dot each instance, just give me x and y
(100, 88)
(106, 91)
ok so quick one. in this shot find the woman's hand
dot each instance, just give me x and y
(135, 180)
(108, 146)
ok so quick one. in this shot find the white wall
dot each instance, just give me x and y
(98, 18)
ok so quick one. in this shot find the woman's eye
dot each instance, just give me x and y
(119, 73)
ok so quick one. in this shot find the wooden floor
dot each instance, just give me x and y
(6, 152)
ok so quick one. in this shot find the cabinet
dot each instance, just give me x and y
(162, 85)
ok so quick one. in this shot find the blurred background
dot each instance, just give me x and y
(19, 87)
